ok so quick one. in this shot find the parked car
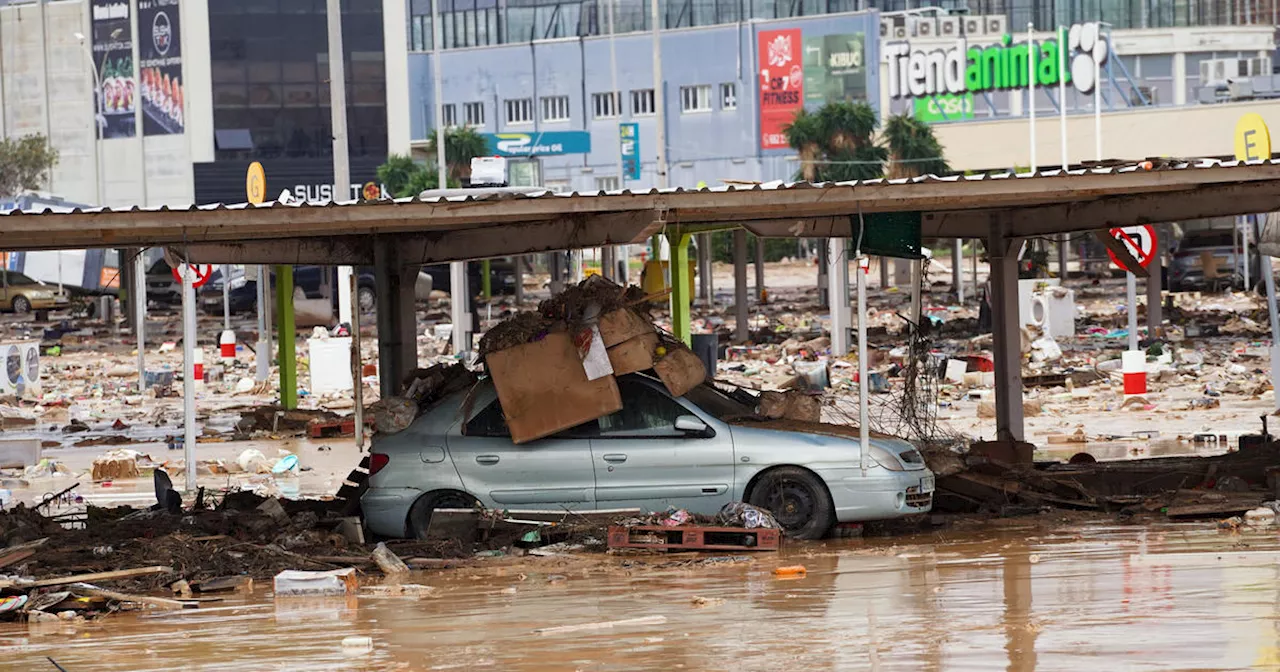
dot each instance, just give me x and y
(244, 295)
(163, 288)
(1186, 272)
(21, 294)
(502, 276)
(657, 452)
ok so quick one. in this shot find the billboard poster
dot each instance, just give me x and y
(160, 67)
(781, 84)
(113, 63)
(834, 68)
(629, 136)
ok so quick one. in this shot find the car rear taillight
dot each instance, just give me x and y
(377, 461)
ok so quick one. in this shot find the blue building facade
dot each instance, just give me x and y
(712, 93)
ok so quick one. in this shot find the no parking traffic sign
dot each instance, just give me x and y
(1141, 241)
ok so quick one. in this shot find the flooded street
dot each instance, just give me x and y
(1018, 594)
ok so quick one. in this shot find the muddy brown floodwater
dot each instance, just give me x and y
(1024, 594)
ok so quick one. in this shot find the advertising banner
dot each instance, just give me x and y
(160, 60)
(113, 61)
(834, 68)
(548, 143)
(781, 84)
(629, 136)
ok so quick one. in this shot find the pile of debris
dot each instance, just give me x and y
(1000, 477)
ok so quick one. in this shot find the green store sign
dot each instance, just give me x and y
(962, 69)
(947, 107)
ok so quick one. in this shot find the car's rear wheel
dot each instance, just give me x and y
(21, 305)
(420, 512)
(798, 500)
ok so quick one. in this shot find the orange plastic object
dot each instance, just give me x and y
(793, 570)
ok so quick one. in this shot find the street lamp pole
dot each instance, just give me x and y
(97, 119)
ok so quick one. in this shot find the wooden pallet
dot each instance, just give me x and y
(694, 538)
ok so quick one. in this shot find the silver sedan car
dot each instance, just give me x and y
(692, 452)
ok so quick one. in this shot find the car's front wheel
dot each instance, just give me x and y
(21, 305)
(420, 512)
(798, 500)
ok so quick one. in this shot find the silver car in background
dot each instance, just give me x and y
(657, 452)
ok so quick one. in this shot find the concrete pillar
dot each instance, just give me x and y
(885, 281)
(742, 333)
(1155, 307)
(397, 321)
(1006, 334)
(838, 295)
(957, 269)
(760, 291)
(680, 285)
(902, 272)
(554, 261)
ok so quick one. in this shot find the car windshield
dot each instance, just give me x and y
(724, 406)
(161, 266)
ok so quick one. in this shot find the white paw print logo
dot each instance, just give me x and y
(1086, 46)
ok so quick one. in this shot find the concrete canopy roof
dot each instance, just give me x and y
(460, 225)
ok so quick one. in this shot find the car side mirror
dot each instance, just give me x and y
(692, 424)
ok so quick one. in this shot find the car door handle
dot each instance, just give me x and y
(487, 459)
(615, 458)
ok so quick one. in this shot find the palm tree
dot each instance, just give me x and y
(404, 177)
(913, 149)
(461, 144)
(848, 125)
(807, 135)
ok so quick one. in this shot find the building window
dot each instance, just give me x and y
(729, 96)
(520, 111)
(555, 108)
(695, 98)
(473, 114)
(642, 103)
(450, 114)
(607, 184)
(606, 105)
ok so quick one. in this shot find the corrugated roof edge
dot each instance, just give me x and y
(1155, 164)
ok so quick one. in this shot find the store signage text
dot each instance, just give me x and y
(1004, 65)
(549, 143)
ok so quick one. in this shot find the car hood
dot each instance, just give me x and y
(798, 441)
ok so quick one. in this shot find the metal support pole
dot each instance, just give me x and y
(742, 333)
(140, 314)
(486, 288)
(263, 353)
(458, 293)
(288, 336)
(1155, 307)
(1063, 242)
(681, 324)
(864, 422)
(1244, 246)
(226, 297)
(1269, 277)
(188, 375)
(704, 268)
(917, 309)
(838, 295)
(760, 290)
(1131, 304)
(1031, 91)
(957, 269)
(885, 281)
(824, 280)
(357, 370)
(519, 260)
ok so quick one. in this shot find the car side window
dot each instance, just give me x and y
(491, 423)
(645, 413)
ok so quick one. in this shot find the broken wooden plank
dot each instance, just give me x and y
(17, 556)
(99, 576)
(87, 589)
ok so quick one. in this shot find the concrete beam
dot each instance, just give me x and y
(742, 332)
(337, 250)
